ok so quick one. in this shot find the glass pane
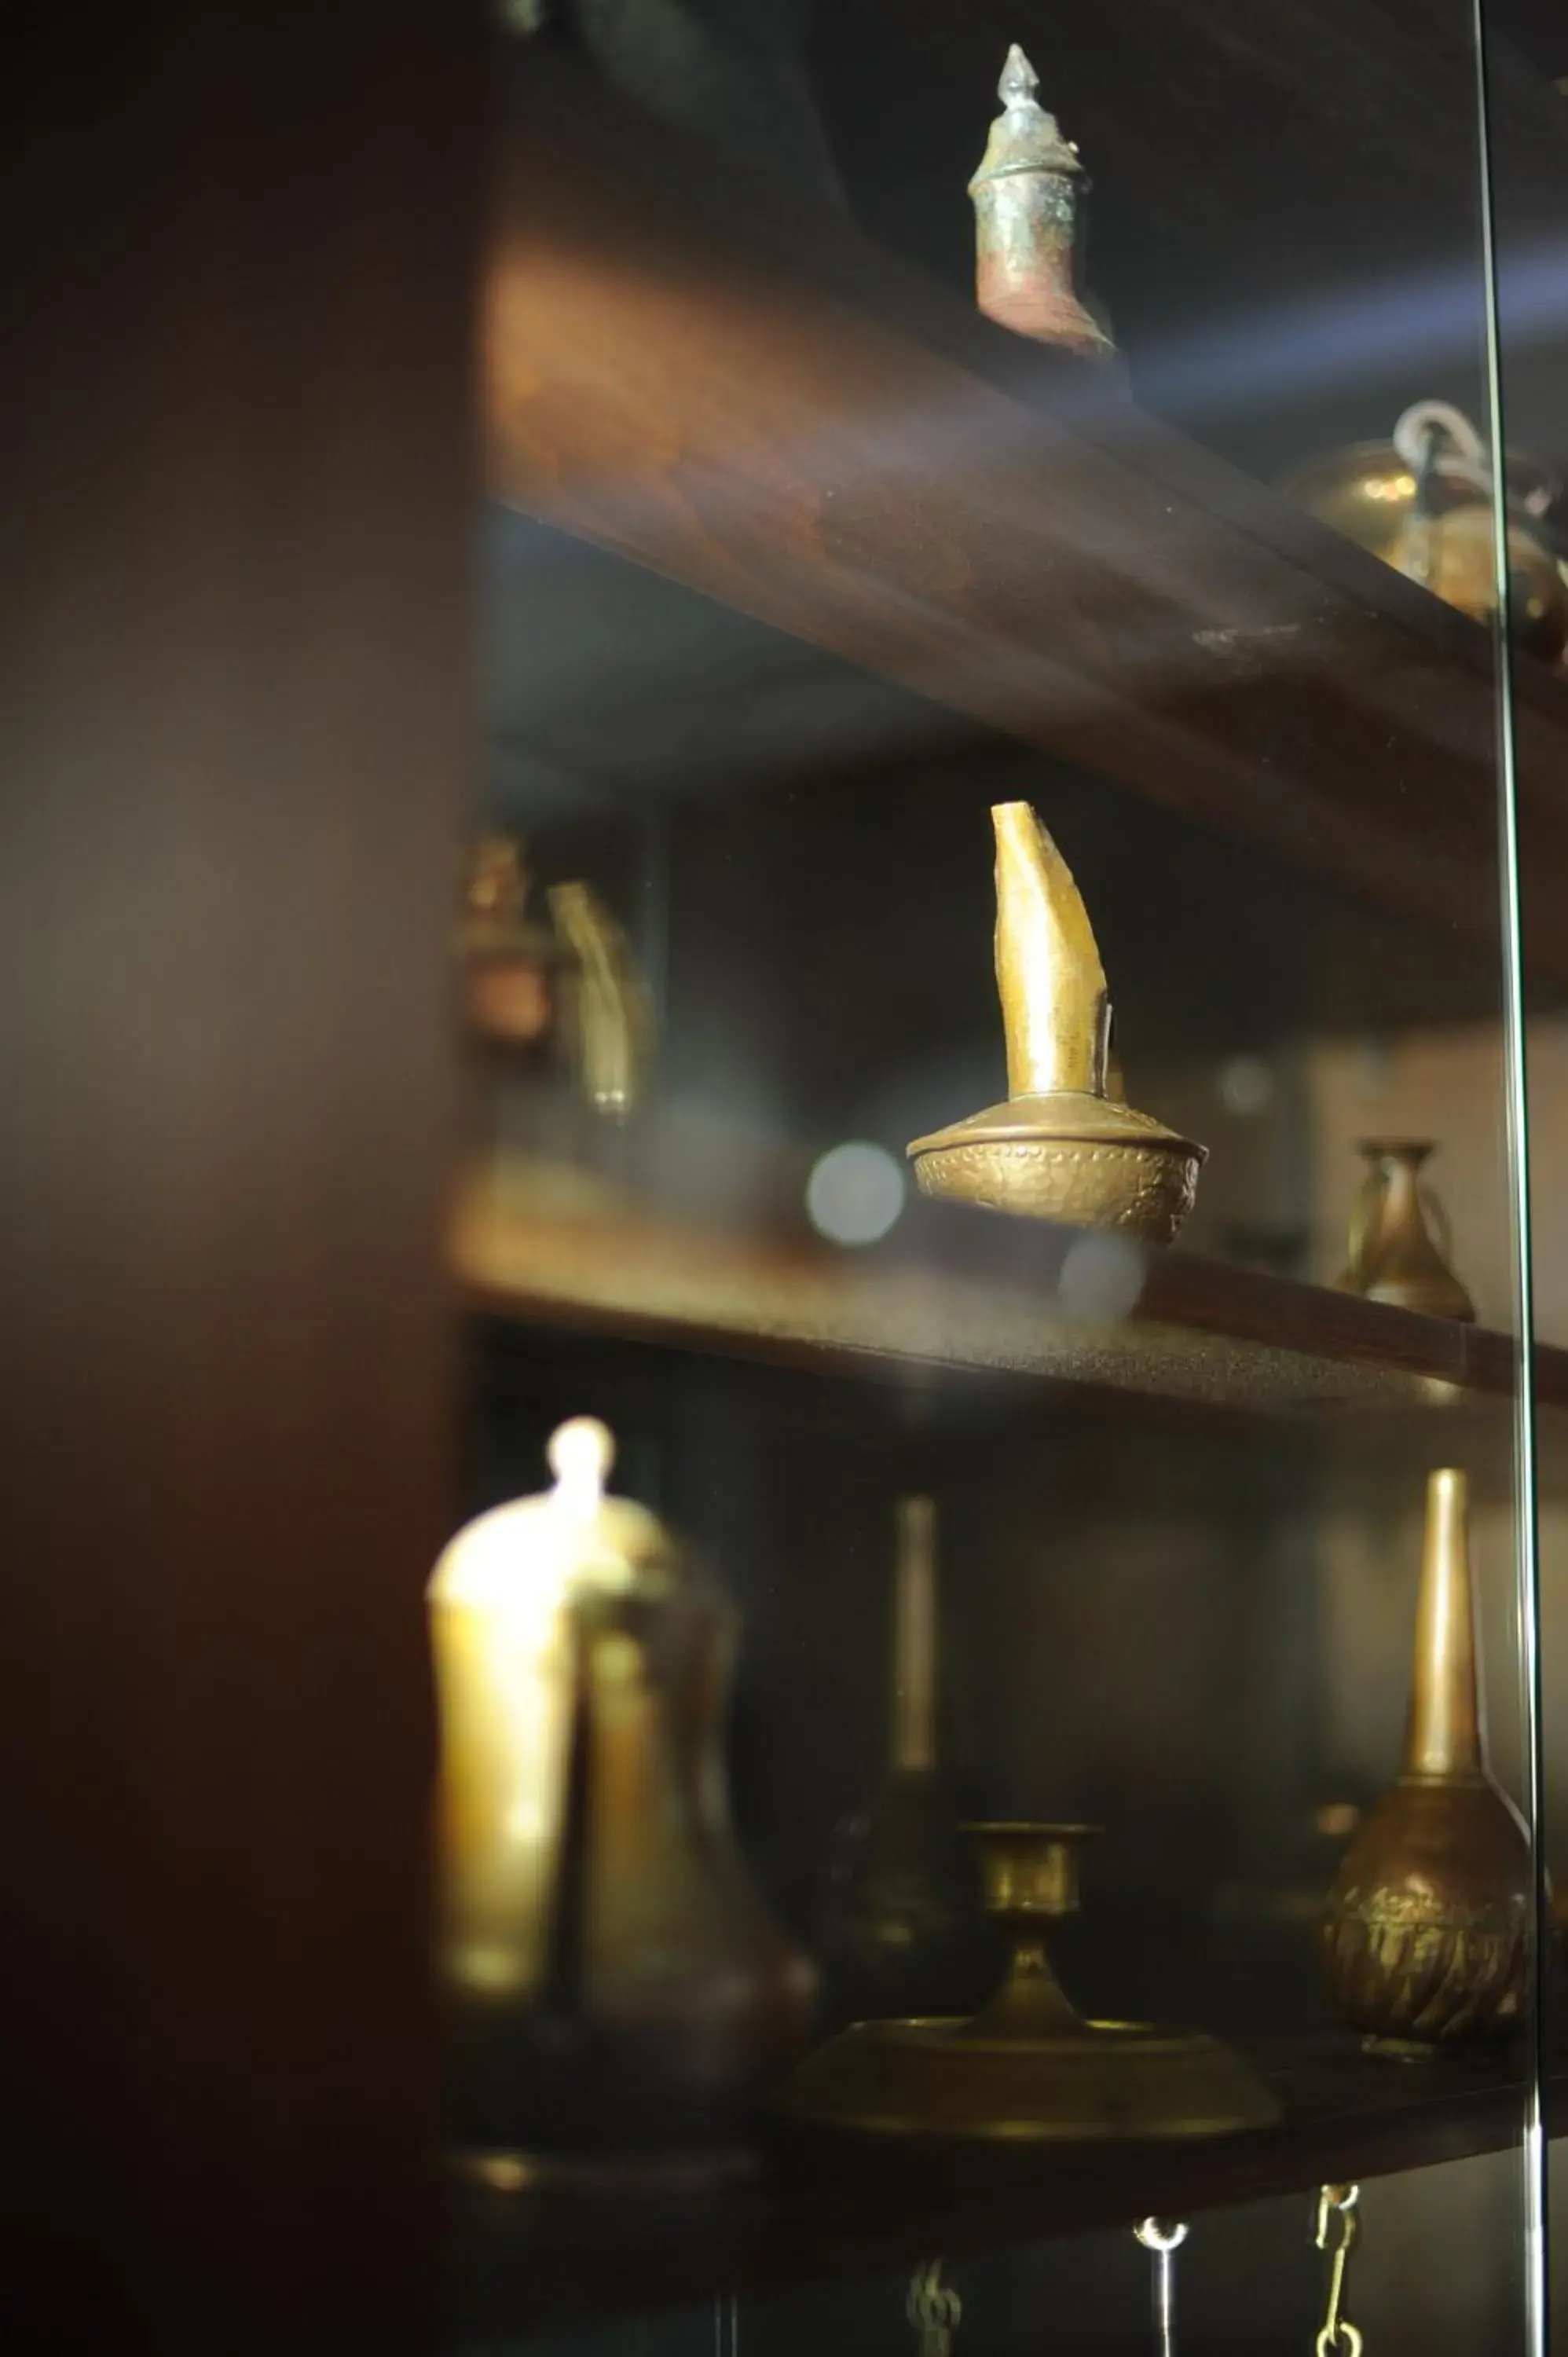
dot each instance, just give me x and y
(1527, 145)
(804, 584)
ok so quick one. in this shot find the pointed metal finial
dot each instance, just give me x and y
(1019, 80)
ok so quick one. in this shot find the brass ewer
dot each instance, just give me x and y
(1027, 2068)
(1394, 1255)
(1426, 1933)
(1025, 196)
(617, 1996)
(1061, 1148)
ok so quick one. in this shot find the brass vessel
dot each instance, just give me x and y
(902, 1929)
(1422, 502)
(1061, 1148)
(1425, 1936)
(1026, 196)
(1027, 2068)
(569, 989)
(618, 1999)
(1394, 1255)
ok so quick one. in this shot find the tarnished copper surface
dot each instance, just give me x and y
(1025, 197)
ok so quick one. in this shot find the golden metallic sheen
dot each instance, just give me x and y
(1061, 1148)
(1027, 2068)
(1394, 1257)
(1426, 1933)
(616, 1994)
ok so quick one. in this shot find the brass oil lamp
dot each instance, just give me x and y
(1027, 2066)
(618, 1996)
(1061, 1148)
(1425, 1938)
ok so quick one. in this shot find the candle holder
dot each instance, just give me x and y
(1027, 2068)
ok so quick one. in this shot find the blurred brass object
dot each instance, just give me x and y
(1025, 197)
(509, 964)
(1425, 1937)
(1061, 1148)
(1393, 1255)
(614, 1019)
(1027, 2068)
(618, 1999)
(572, 985)
(1422, 502)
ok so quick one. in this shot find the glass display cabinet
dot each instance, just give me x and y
(790, 880)
(915, 618)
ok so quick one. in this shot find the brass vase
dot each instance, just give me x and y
(618, 1998)
(1425, 1937)
(1394, 1255)
(1027, 2068)
(1061, 1148)
(1026, 197)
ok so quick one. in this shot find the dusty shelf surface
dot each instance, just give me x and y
(958, 1292)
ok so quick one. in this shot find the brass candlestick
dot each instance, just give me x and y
(1394, 1255)
(1027, 2068)
(1061, 1148)
(1425, 1935)
(1025, 197)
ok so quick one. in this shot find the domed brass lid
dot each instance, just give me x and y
(569, 1538)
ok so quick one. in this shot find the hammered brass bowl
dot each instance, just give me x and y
(1072, 1157)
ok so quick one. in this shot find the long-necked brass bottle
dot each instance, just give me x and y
(1426, 1933)
(903, 1928)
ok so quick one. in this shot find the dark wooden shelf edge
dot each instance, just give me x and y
(837, 2211)
(1183, 1294)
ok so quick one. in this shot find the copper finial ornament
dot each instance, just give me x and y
(1061, 1148)
(1025, 208)
(1426, 1931)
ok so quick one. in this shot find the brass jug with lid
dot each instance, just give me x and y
(618, 1996)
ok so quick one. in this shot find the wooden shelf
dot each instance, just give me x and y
(753, 400)
(978, 1294)
(835, 2209)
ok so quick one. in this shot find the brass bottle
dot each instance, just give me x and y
(1394, 1255)
(1061, 1148)
(618, 1998)
(1425, 1937)
(902, 1927)
(1025, 197)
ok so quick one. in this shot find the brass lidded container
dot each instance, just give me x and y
(1425, 1936)
(1026, 194)
(1061, 1148)
(619, 1999)
(1027, 2068)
